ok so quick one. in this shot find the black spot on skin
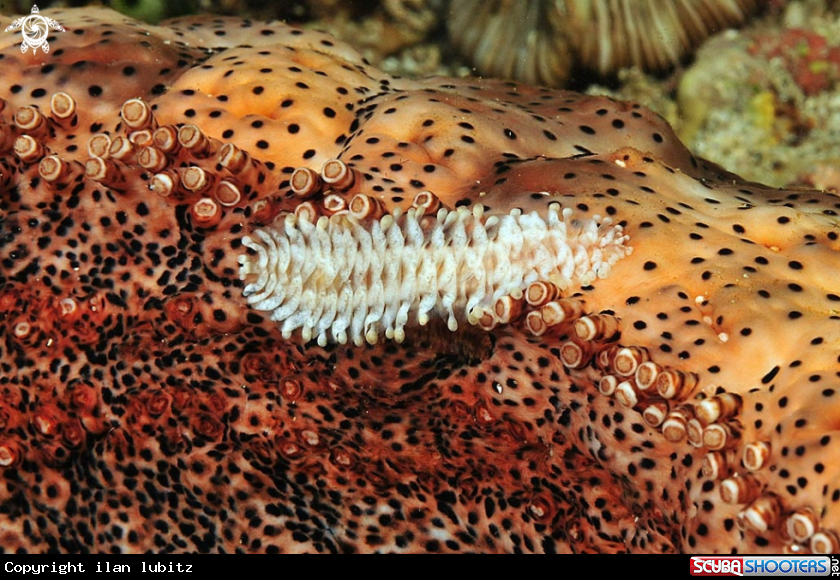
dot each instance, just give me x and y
(766, 379)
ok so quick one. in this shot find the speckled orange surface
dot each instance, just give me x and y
(687, 403)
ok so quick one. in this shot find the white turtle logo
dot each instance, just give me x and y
(35, 29)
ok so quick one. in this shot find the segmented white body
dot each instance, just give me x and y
(340, 279)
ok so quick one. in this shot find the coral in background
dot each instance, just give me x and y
(682, 398)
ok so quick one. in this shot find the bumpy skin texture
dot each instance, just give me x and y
(145, 407)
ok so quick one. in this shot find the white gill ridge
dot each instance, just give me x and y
(342, 279)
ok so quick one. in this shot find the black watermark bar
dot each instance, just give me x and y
(58, 565)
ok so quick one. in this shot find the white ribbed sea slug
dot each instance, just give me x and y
(343, 279)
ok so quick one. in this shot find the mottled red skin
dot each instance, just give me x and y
(164, 415)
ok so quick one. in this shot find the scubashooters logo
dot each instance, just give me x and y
(764, 566)
(35, 29)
